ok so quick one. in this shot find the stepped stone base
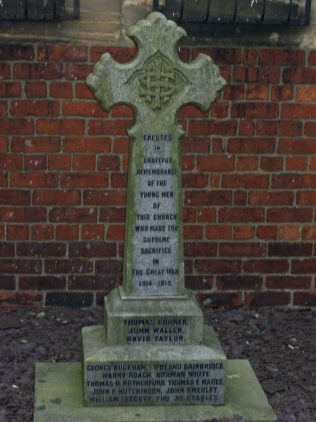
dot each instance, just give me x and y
(59, 398)
(177, 320)
(152, 375)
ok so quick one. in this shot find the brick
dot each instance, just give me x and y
(87, 145)
(298, 111)
(36, 144)
(270, 198)
(37, 71)
(288, 282)
(281, 56)
(83, 109)
(192, 232)
(21, 215)
(234, 92)
(250, 56)
(59, 162)
(282, 93)
(102, 282)
(34, 108)
(6, 249)
(92, 232)
(69, 299)
(56, 197)
(84, 162)
(296, 163)
(246, 127)
(193, 249)
(3, 108)
(199, 282)
(282, 128)
(60, 127)
(219, 110)
(244, 181)
(35, 89)
(216, 163)
(241, 215)
(16, 127)
(297, 146)
(247, 163)
(16, 52)
(14, 197)
(293, 181)
(120, 54)
(7, 282)
(10, 162)
(218, 266)
(60, 89)
(72, 215)
(108, 127)
(267, 299)
(266, 266)
(243, 232)
(255, 110)
(304, 266)
(10, 89)
(21, 299)
(312, 58)
(119, 180)
(238, 249)
(66, 266)
(67, 232)
(42, 283)
(309, 129)
(282, 215)
(41, 249)
(219, 232)
(83, 91)
(244, 282)
(115, 215)
(109, 162)
(251, 146)
(305, 94)
(212, 127)
(17, 232)
(190, 111)
(290, 249)
(121, 145)
(116, 232)
(42, 232)
(77, 72)
(299, 75)
(83, 180)
(194, 198)
(219, 300)
(206, 215)
(309, 232)
(240, 197)
(20, 266)
(35, 162)
(5, 71)
(32, 179)
(189, 215)
(109, 266)
(289, 232)
(263, 74)
(62, 53)
(304, 299)
(257, 92)
(105, 197)
(92, 249)
(306, 198)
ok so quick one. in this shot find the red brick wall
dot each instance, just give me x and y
(249, 178)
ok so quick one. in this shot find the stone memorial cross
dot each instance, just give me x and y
(156, 83)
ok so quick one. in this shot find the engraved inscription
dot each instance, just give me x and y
(155, 383)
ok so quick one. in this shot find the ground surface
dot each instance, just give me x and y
(279, 344)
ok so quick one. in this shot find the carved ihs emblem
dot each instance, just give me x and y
(158, 80)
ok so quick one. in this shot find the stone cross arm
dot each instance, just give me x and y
(156, 82)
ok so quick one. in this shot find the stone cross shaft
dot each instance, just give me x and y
(156, 83)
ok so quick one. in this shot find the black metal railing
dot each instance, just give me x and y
(286, 12)
(37, 10)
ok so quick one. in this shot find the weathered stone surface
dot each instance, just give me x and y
(59, 398)
(155, 83)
